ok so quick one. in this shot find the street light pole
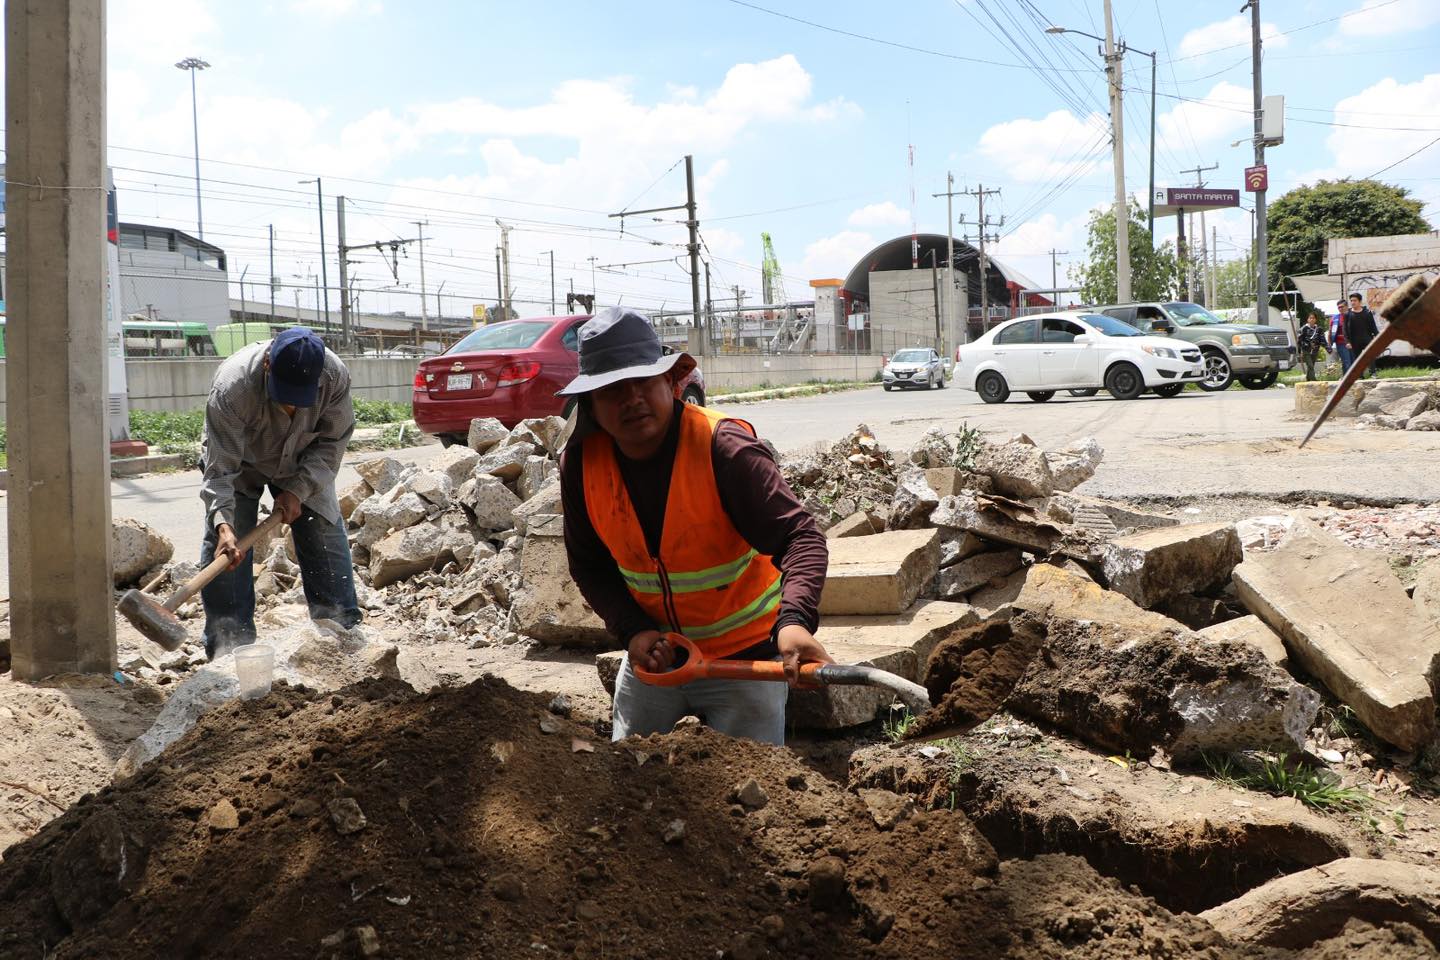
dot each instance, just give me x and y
(324, 278)
(193, 64)
(1150, 205)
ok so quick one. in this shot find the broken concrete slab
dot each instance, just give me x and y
(1249, 630)
(879, 574)
(1065, 507)
(1410, 405)
(948, 481)
(1122, 689)
(858, 524)
(505, 462)
(912, 503)
(975, 572)
(544, 432)
(491, 502)
(1346, 619)
(534, 475)
(956, 545)
(1152, 566)
(997, 519)
(545, 501)
(381, 473)
(1018, 470)
(405, 553)
(996, 595)
(485, 433)
(1301, 909)
(1264, 533)
(1380, 421)
(1076, 463)
(456, 462)
(1380, 395)
(352, 496)
(1427, 421)
(135, 548)
(1427, 591)
(432, 486)
(1051, 590)
(550, 606)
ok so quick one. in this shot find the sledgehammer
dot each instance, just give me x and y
(1412, 314)
(157, 620)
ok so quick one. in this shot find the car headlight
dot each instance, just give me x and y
(1245, 340)
(1160, 352)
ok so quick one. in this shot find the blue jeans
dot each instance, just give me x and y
(1347, 356)
(754, 709)
(326, 572)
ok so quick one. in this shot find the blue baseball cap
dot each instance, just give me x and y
(297, 359)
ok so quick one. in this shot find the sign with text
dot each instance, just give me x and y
(1257, 178)
(1194, 197)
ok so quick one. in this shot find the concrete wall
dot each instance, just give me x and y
(734, 373)
(902, 306)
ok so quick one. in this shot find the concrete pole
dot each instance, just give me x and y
(345, 305)
(1113, 62)
(62, 617)
(424, 308)
(951, 327)
(1262, 266)
(694, 226)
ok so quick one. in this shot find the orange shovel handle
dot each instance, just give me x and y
(699, 667)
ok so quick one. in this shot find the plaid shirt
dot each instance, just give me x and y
(249, 441)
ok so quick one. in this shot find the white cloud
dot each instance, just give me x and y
(835, 255)
(336, 8)
(1390, 104)
(1232, 32)
(1031, 150)
(1222, 114)
(1375, 18)
(885, 214)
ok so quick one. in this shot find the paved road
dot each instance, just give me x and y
(1236, 443)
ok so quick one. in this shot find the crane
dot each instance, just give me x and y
(772, 282)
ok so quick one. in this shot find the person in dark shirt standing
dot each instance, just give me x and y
(1360, 329)
(1312, 338)
(677, 519)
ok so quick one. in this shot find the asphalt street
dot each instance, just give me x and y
(1239, 443)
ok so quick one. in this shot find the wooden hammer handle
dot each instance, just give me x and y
(218, 565)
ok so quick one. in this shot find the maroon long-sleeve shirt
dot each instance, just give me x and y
(756, 498)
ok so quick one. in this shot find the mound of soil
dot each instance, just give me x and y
(472, 822)
(972, 672)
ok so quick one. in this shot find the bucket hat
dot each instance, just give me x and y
(621, 344)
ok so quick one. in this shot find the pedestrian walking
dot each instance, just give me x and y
(1360, 329)
(1337, 337)
(1312, 338)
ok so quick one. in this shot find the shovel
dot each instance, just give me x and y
(696, 666)
(1412, 314)
(157, 620)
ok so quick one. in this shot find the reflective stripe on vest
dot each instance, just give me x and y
(724, 607)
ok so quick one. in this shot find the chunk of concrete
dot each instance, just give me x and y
(490, 501)
(136, 547)
(381, 473)
(976, 572)
(405, 553)
(534, 475)
(948, 481)
(1054, 591)
(1380, 421)
(1427, 421)
(912, 502)
(879, 574)
(485, 432)
(1380, 395)
(456, 462)
(1427, 591)
(989, 599)
(1122, 689)
(956, 545)
(997, 519)
(1066, 507)
(1018, 470)
(858, 524)
(505, 462)
(352, 496)
(1300, 909)
(1075, 464)
(1346, 619)
(546, 501)
(1410, 405)
(1252, 631)
(549, 606)
(431, 486)
(1155, 565)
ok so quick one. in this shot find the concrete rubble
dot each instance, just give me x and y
(1157, 565)
(137, 549)
(881, 573)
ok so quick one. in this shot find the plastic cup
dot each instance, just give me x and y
(254, 668)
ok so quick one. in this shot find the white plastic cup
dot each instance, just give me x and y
(254, 668)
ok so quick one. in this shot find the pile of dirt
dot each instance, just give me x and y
(476, 822)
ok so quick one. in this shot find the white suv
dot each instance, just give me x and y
(1076, 351)
(914, 367)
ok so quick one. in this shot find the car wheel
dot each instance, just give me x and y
(889, 387)
(992, 387)
(1169, 390)
(1263, 382)
(1123, 382)
(446, 441)
(942, 381)
(1040, 396)
(1218, 375)
(1083, 393)
(930, 382)
(693, 395)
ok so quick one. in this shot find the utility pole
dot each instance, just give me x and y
(952, 329)
(499, 287)
(274, 280)
(709, 306)
(324, 278)
(1113, 64)
(982, 221)
(1055, 273)
(1262, 279)
(420, 226)
(1185, 263)
(552, 282)
(507, 287)
(344, 274)
(1214, 267)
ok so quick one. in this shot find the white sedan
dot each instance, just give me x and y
(1076, 351)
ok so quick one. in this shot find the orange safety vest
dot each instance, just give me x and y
(708, 583)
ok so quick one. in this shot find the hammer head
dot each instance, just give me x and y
(152, 619)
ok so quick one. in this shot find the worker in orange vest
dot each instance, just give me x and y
(677, 520)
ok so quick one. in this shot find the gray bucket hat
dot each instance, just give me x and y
(621, 344)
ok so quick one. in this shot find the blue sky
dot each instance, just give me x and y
(551, 115)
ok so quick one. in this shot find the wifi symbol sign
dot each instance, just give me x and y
(1256, 178)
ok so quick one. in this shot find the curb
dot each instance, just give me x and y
(779, 393)
(127, 466)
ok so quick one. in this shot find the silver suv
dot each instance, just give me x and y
(914, 367)
(1248, 352)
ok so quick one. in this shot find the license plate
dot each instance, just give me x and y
(1286, 364)
(458, 381)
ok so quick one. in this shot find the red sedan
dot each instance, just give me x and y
(509, 371)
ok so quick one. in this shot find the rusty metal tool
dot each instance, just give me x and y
(1412, 314)
(696, 666)
(157, 620)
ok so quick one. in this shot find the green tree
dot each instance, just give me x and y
(1300, 222)
(1154, 274)
(1234, 286)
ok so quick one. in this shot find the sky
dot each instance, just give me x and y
(828, 125)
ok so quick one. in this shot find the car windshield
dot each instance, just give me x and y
(516, 335)
(1191, 314)
(1111, 327)
(911, 356)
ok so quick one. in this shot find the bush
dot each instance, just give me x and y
(167, 431)
(379, 412)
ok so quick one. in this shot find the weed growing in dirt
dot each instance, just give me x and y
(895, 727)
(1344, 723)
(1281, 779)
(961, 759)
(967, 446)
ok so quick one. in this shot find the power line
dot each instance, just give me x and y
(1283, 33)
(1404, 158)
